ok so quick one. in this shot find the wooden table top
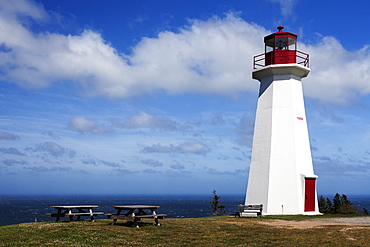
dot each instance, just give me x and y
(136, 207)
(75, 206)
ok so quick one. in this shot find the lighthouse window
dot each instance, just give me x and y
(292, 44)
(269, 45)
(281, 43)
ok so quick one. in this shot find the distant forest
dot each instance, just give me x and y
(339, 205)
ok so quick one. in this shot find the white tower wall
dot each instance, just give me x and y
(281, 154)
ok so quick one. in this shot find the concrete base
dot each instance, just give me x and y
(312, 213)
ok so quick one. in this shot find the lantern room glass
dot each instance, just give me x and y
(269, 45)
(279, 43)
(292, 44)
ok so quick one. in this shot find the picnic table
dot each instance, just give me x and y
(135, 213)
(75, 210)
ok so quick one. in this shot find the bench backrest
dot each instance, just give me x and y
(250, 207)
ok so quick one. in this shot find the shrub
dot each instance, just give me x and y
(217, 208)
(340, 205)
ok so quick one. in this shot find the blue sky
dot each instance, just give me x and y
(127, 97)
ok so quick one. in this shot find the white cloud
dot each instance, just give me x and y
(151, 171)
(208, 56)
(337, 75)
(14, 151)
(7, 136)
(178, 174)
(12, 162)
(40, 169)
(152, 162)
(123, 172)
(145, 120)
(211, 56)
(286, 6)
(84, 125)
(109, 163)
(51, 147)
(177, 166)
(96, 162)
(244, 130)
(23, 8)
(137, 20)
(187, 147)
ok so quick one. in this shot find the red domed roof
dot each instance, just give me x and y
(279, 33)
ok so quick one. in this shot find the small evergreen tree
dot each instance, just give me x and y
(323, 208)
(347, 206)
(365, 211)
(337, 203)
(329, 206)
(217, 208)
(325, 205)
(340, 205)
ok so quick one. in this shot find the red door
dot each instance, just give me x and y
(310, 188)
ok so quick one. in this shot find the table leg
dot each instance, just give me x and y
(80, 211)
(156, 221)
(58, 217)
(91, 215)
(114, 221)
(118, 213)
(155, 218)
(71, 216)
(136, 222)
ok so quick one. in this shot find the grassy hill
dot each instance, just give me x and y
(208, 231)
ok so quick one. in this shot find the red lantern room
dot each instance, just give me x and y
(281, 48)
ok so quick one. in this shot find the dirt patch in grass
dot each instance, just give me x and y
(305, 224)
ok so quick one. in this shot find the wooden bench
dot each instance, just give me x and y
(120, 217)
(82, 210)
(249, 210)
(71, 215)
(135, 218)
(135, 213)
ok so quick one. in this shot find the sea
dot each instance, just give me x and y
(15, 209)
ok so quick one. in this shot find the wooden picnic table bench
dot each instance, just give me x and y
(135, 213)
(250, 210)
(70, 212)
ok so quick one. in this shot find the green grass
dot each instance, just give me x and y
(208, 231)
(308, 217)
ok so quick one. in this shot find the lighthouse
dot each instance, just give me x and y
(281, 175)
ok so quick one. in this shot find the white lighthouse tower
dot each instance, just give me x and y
(281, 175)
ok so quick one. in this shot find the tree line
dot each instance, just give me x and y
(339, 205)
